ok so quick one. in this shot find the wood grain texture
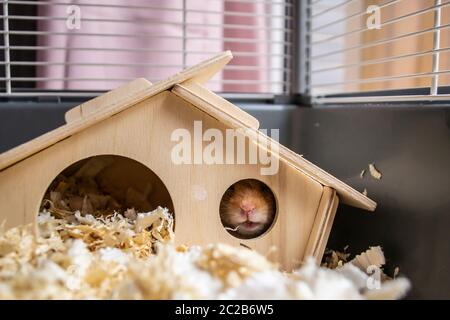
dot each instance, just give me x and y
(214, 105)
(137, 121)
(209, 104)
(329, 224)
(143, 133)
(200, 73)
(322, 224)
(103, 107)
(105, 100)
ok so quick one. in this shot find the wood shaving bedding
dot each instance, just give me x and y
(92, 246)
(90, 194)
(115, 257)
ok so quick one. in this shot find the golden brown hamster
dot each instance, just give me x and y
(248, 208)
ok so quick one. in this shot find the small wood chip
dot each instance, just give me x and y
(364, 192)
(374, 172)
(372, 256)
(396, 272)
(361, 175)
(232, 229)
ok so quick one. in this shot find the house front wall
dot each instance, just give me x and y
(143, 133)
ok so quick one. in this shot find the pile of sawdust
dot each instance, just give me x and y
(130, 256)
(87, 191)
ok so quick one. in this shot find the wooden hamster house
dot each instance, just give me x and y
(135, 121)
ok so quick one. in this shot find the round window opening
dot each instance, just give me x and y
(248, 209)
(104, 186)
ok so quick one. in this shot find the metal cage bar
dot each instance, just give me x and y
(27, 45)
(351, 62)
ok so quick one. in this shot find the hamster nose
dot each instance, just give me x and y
(247, 208)
(247, 213)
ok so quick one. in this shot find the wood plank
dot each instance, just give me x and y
(214, 104)
(328, 224)
(347, 194)
(197, 219)
(107, 99)
(200, 72)
(322, 224)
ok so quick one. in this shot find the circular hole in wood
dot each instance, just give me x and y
(104, 185)
(248, 209)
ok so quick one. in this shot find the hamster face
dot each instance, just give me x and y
(248, 207)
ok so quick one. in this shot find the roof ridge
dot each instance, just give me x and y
(201, 72)
(348, 195)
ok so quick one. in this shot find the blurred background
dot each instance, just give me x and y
(347, 82)
(97, 45)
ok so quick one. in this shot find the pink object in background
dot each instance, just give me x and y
(259, 61)
(147, 43)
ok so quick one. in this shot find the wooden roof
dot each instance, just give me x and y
(186, 84)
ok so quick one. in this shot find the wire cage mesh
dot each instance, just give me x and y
(384, 50)
(329, 50)
(81, 47)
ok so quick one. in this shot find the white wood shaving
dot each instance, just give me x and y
(396, 272)
(372, 256)
(361, 175)
(232, 229)
(146, 220)
(64, 264)
(374, 172)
